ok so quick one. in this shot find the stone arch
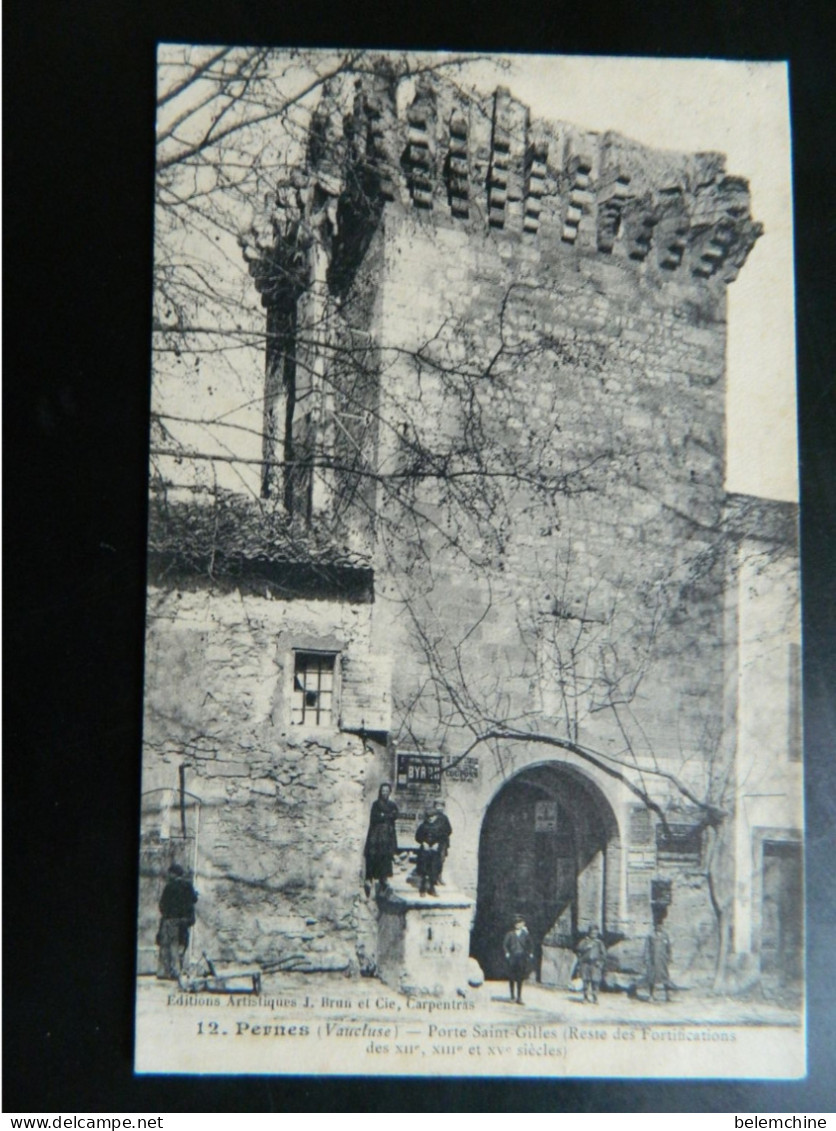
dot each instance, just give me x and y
(550, 850)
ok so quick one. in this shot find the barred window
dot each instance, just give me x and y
(312, 702)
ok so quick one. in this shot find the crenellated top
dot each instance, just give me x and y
(483, 163)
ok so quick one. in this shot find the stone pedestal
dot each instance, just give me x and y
(423, 942)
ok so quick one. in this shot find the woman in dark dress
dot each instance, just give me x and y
(381, 841)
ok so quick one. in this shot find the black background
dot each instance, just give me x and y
(79, 120)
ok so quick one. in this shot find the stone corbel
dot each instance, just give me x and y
(419, 159)
(535, 172)
(276, 247)
(673, 225)
(723, 232)
(638, 219)
(457, 166)
(613, 196)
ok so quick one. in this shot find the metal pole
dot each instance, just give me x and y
(183, 800)
(193, 931)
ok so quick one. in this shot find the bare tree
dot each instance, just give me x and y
(431, 458)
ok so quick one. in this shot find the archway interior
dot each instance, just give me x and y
(545, 849)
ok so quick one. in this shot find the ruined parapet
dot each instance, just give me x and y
(423, 160)
(763, 520)
(483, 164)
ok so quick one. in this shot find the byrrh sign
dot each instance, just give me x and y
(420, 772)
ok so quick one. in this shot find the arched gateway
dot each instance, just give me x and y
(549, 850)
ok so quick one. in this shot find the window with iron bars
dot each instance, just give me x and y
(312, 701)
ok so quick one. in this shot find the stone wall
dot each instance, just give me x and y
(639, 393)
(763, 603)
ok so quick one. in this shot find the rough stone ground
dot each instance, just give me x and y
(492, 1005)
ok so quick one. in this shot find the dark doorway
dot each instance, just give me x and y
(548, 851)
(782, 911)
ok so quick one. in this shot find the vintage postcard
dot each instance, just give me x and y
(472, 738)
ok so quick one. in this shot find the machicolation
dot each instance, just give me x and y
(486, 164)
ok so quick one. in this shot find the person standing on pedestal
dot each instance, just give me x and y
(381, 841)
(433, 837)
(519, 956)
